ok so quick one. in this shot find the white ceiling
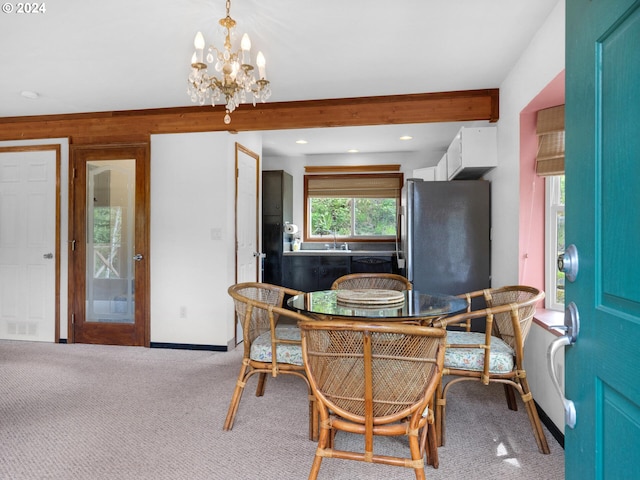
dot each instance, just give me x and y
(96, 55)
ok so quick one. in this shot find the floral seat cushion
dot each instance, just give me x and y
(285, 353)
(500, 360)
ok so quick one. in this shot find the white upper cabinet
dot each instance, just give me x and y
(441, 169)
(472, 153)
(432, 174)
(428, 174)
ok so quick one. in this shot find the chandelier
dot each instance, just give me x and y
(234, 79)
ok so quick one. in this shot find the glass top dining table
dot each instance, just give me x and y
(417, 306)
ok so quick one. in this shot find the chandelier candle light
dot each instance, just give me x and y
(236, 74)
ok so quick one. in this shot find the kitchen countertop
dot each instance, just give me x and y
(343, 253)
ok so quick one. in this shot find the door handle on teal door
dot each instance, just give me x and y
(571, 327)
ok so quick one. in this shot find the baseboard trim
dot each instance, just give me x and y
(189, 346)
(180, 346)
(553, 429)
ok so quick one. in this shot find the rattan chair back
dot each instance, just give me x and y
(374, 379)
(382, 281)
(259, 310)
(252, 301)
(513, 325)
(508, 315)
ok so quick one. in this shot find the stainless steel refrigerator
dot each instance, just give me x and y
(447, 235)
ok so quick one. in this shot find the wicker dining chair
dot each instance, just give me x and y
(259, 311)
(493, 356)
(383, 281)
(374, 379)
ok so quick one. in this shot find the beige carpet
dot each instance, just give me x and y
(101, 412)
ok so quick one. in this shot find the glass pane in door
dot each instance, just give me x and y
(110, 241)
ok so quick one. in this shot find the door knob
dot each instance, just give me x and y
(571, 328)
(48, 256)
(138, 256)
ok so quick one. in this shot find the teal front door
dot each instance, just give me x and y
(603, 221)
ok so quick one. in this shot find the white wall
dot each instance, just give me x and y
(540, 63)
(193, 192)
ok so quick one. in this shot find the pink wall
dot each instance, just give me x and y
(531, 228)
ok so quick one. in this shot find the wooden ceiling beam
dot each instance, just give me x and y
(468, 105)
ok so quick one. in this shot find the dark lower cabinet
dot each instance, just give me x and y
(332, 268)
(300, 273)
(373, 265)
(310, 273)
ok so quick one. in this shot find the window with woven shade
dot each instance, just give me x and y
(360, 186)
(359, 207)
(550, 131)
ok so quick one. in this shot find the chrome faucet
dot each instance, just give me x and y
(333, 224)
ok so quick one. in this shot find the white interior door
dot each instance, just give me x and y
(27, 245)
(247, 188)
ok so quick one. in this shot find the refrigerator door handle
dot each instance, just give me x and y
(409, 231)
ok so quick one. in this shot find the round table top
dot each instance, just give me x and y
(415, 305)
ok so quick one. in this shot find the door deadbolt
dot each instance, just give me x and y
(568, 263)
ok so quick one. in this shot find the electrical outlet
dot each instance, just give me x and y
(183, 311)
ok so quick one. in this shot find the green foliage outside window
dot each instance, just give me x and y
(353, 217)
(104, 221)
(560, 241)
(107, 233)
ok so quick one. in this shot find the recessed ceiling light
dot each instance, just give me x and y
(406, 137)
(30, 95)
(301, 142)
(353, 150)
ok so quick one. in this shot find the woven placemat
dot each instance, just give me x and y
(370, 297)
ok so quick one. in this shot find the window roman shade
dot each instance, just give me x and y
(550, 131)
(354, 186)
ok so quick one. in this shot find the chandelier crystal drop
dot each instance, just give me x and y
(234, 79)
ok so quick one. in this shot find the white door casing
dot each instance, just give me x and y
(246, 214)
(28, 253)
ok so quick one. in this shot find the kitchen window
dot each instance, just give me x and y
(352, 207)
(555, 241)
